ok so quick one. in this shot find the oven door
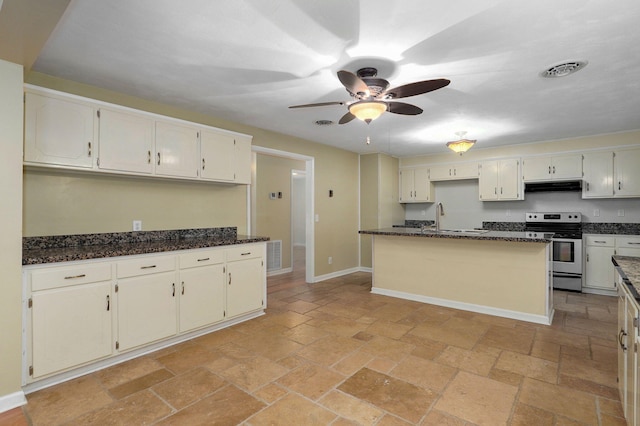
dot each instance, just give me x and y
(567, 255)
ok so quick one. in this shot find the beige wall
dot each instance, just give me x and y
(273, 217)
(10, 226)
(336, 232)
(547, 147)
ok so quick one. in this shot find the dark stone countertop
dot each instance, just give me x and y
(527, 237)
(629, 268)
(42, 250)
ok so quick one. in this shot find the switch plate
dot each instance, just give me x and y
(596, 212)
(330, 260)
(508, 212)
(317, 218)
(621, 213)
(137, 225)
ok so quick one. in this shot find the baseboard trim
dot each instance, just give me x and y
(505, 313)
(335, 274)
(366, 269)
(279, 272)
(11, 401)
(603, 292)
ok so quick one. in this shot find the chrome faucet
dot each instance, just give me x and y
(439, 212)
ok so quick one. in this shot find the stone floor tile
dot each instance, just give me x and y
(526, 415)
(273, 347)
(218, 338)
(352, 408)
(595, 371)
(388, 329)
(270, 393)
(305, 334)
(507, 377)
(424, 373)
(188, 387)
(546, 350)
(141, 383)
(296, 410)
(228, 406)
(381, 365)
(438, 418)
(59, 404)
(559, 400)
(391, 420)
(479, 363)
(254, 373)
(588, 386)
(127, 371)
(185, 359)
(311, 380)
(528, 366)
(329, 350)
(396, 396)
(301, 306)
(384, 347)
(352, 363)
(140, 408)
(455, 331)
(509, 338)
(612, 407)
(477, 399)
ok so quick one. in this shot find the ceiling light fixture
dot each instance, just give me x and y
(462, 145)
(367, 111)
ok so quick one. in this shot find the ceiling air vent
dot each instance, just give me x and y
(563, 69)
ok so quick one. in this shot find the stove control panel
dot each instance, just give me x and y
(554, 217)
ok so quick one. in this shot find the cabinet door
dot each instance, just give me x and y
(58, 132)
(567, 167)
(244, 286)
(202, 298)
(406, 186)
(423, 188)
(437, 173)
(631, 361)
(627, 169)
(599, 269)
(622, 353)
(598, 175)
(466, 171)
(146, 309)
(243, 160)
(126, 142)
(176, 150)
(509, 180)
(70, 327)
(488, 183)
(217, 152)
(536, 169)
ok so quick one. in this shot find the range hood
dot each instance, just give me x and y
(572, 185)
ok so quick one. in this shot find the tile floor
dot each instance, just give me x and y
(331, 353)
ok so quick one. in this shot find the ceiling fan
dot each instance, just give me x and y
(372, 95)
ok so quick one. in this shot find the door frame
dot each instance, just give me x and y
(309, 202)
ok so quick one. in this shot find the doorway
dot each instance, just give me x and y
(298, 224)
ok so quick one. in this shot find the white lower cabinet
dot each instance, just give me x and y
(90, 311)
(628, 359)
(599, 274)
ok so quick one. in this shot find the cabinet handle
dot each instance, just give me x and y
(148, 267)
(245, 254)
(554, 170)
(108, 303)
(495, 190)
(500, 190)
(148, 157)
(89, 152)
(449, 172)
(182, 287)
(203, 260)
(587, 186)
(203, 164)
(632, 243)
(587, 257)
(599, 241)
(158, 158)
(229, 278)
(619, 185)
(620, 336)
(71, 277)
(173, 287)
(549, 169)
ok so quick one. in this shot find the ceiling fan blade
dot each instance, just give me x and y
(317, 105)
(353, 83)
(413, 89)
(402, 108)
(346, 118)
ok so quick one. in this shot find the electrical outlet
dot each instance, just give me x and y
(423, 212)
(596, 212)
(621, 213)
(330, 260)
(137, 225)
(508, 212)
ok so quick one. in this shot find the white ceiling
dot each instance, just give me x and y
(248, 60)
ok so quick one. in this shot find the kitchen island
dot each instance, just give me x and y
(506, 274)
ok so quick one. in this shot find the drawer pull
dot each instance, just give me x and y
(601, 242)
(245, 254)
(148, 267)
(633, 243)
(229, 278)
(71, 277)
(183, 287)
(173, 291)
(108, 303)
(203, 260)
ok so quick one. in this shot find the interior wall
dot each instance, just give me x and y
(336, 231)
(298, 208)
(273, 216)
(10, 229)
(59, 203)
(368, 204)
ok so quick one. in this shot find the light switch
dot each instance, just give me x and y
(317, 218)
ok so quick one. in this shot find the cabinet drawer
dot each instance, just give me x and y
(201, 258)
(145, 266)
(628, 242)
(599, 240)
(69, 275)
(245, 252)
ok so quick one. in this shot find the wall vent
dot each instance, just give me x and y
(274, 255)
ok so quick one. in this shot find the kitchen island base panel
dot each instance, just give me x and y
(501, 276)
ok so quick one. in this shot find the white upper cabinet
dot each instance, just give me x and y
(218, 156)
(500, 180)
(415, 186)
(552, 168)
(453, 171)
(176, 150)
(126, 142)
(59, 131)
(611, 174)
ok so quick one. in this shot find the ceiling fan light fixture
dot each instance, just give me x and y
(367, 111)
(461, 145)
